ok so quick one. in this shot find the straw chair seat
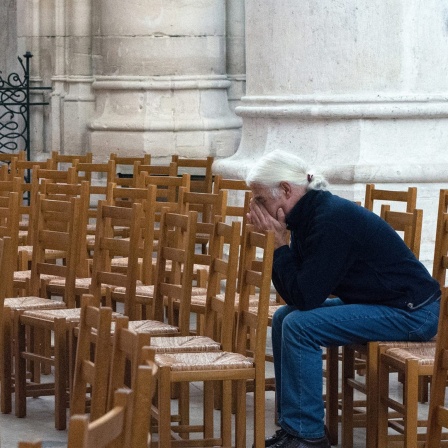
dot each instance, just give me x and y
(184, 344)
(424, 355)
(33, 302)
(204, 361)
(200, 299)
(26, 275)
(152, 327)
(50, 253)
(72, 315)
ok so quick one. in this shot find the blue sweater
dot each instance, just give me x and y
(338, 247)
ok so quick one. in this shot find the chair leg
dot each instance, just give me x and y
(6, 370)
(332, 393)
(372, 394)
(348, 373)
(20, 367)
(410, 400)
(60, 373)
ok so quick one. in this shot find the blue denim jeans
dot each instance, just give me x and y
(298, 338)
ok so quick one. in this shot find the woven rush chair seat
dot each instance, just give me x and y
(412, 363)
(424, 355)
(204, 361)
(52, 253)
(71, 314)
(152, 327)
(37, 303)
(184, 344)
(26, 275)
(82, 286)
(200, 299)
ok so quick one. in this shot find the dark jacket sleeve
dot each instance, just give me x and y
(306, 279)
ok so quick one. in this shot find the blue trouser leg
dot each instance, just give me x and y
(297, 341)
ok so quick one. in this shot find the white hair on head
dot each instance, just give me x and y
(282, 166)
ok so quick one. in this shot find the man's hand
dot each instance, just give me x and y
(262, 220)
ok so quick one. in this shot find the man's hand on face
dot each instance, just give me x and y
(262, 220)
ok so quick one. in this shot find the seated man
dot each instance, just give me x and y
(336, 248)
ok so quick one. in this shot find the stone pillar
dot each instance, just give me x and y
(79, 103)
(164, 84)
(236, 54)
(8, 36)
(32, 38)
(357, 87)
(58, 78)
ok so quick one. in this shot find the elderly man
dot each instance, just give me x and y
(336, 248)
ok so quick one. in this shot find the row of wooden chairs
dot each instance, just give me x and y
(107, 407)
(22, 318)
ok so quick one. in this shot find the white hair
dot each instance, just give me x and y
(282, 166)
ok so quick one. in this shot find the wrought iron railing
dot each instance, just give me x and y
(15, 103)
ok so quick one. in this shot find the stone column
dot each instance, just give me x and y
(236, 51)
(357, 87)
(58, 78)
(164, 86)
(79, 103)
(29, 35)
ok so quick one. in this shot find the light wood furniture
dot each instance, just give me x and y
(364, 357)
(199, 168)
(126, 424)
(64, 161)
(223, 367)
(109, 246)
(153, 170)
(438, 411)
(98, 175)
(414, 362)
(379, 196)
(57, 229)
(124, 166)
(91, 372)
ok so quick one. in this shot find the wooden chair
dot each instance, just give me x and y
(61, 234)
(218, 306)
(38, 177)
(98, 175)
(173, 276)
(375, 196)
(64, 161)
(6, 158)
(236, 204)
(224, 367)
(108, 430)
(199, 168)
(438, 413)
(125, 197)
(124, 426)
(124, 166)
(153, 170)
(108, 246)
(208, 205)
(24, 170)
(91, 373)
(107, 218)
(413, 361)
(64, 192)
(365, 356)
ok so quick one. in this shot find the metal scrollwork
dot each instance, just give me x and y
(15, 109)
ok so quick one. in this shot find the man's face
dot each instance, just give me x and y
(263, 196)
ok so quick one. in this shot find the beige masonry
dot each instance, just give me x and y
(358, 88)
